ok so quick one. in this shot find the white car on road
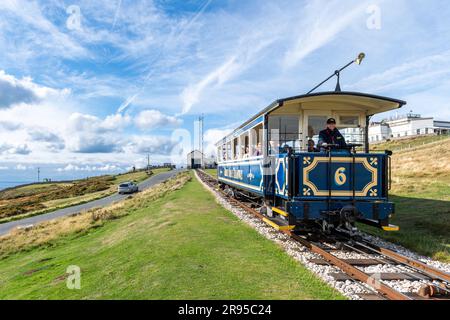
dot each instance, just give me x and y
(127, 187)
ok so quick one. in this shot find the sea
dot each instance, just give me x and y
(11, 176)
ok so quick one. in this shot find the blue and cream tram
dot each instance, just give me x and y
(267, 159)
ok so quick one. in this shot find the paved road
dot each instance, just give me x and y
(6, 227)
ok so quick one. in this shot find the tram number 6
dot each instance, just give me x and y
(339, 177)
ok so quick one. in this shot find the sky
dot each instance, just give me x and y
(94, 86)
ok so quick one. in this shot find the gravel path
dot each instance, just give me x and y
(348, 288)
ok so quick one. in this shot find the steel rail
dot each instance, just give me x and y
(432, 286)
(417, 264)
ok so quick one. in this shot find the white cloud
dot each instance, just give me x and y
(17, 149)
(15, 91)
(10, 125)
(212, 136)
(52, 141)
(115, 122)
(21, 167)
(154, 145)
(148, 120)
(90, 134)
(79, 122)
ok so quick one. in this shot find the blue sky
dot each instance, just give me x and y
(98, 90)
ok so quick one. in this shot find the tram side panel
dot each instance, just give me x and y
(245, 175)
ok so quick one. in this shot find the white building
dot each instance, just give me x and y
(406, 126)
(195, 161)
(379, 131)
(442, 127)
(410, 125)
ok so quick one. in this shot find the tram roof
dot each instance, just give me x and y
(372, 104)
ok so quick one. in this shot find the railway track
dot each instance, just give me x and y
(333, 250)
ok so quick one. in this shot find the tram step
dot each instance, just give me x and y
(278, 224)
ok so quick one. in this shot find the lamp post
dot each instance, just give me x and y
(337, 73)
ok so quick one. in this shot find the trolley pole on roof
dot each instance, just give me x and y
(337, 73)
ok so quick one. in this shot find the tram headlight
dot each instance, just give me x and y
(360, 58)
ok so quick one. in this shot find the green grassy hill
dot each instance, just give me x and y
(170, 242)
(421, 192)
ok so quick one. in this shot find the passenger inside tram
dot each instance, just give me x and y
(312, 146)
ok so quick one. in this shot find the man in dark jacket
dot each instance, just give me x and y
(331, 135)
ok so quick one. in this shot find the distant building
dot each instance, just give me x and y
(442, 127)
(406, 126)
(379, 131)
(194, 160)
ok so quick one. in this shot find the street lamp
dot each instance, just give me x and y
(337, 73)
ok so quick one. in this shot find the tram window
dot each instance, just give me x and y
(256, 135)
(315, 125)
(246, 146)
(235, 148)
(283, 132)
(223, 152)
(229, 157)
(349, 120)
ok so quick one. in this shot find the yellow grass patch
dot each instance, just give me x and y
(415, 170)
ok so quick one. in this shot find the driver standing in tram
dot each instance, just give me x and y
(331, 135)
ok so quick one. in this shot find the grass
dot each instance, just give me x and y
(212, 172)
(159, 248)
(27, 201)
(407, 143)
(421, 192)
